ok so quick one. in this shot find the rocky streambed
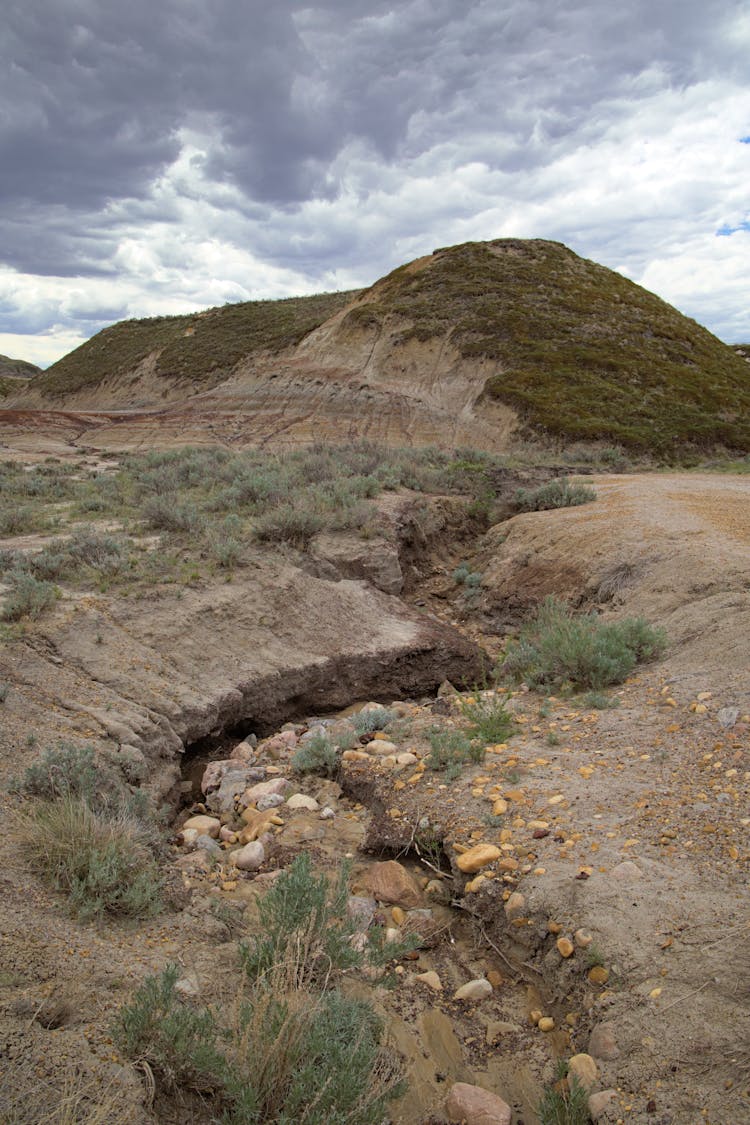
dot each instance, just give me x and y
(478, 1029)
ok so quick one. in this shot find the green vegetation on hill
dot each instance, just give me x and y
(200, 348)
(582, 352)
(18, 368)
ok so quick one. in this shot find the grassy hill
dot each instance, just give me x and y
(580, 352)
(200, 349)
(585, 353)
(12, 370)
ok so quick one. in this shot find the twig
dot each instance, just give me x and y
(675, 1002)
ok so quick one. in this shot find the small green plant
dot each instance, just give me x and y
(28, 597)
(594, 956)
(553, 739)
(598, 701)
(318, 755)
(557, 647)
(489, 719)
(565, 1103)
(372, 718)
(451, 750)
(559, 493)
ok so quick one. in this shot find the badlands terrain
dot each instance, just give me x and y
(574, 863)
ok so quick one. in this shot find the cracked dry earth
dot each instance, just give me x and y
(627, 825)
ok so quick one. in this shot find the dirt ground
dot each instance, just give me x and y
(628, 823)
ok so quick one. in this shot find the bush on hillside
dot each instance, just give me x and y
(557, 647)
(559, 493)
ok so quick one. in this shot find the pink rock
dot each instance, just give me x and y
(471, 1105)
(227, 835)
(213, 774)
(602, 1043)
(390, 882)
(243, 752)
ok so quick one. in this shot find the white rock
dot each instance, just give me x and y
(327, 813)
(302, 801)
(477, 990)
(250, 857)
(381, 746)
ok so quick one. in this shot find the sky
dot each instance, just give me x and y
(161, 156)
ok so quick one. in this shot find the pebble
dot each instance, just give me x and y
(475, 990)
(431, 979)
(243, 752)
(188, 836)
(263, 788)
(602, 1043)
(546, 1023)
(582, 939)
(302, 801)
(584, 1069)
(598, 974)
(565, 947)
(270, 801)
(474, 1106)
(598, 1103)
(381, 746)
(227, 835)
(477, 857)
(250, 857)
(204, 825)
(626, 872)
(515, 906)
(327, 813)
(208, 844)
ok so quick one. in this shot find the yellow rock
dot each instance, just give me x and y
(565, 947)
(477, 857)
(598, 974)
(499, 807)
(584, 1069)
(398, 915)
(535, 1015)
(546, 1023)
(473, 886)
(655, 993)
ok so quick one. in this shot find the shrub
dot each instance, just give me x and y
(86, 548)
(288, 524)
(102, 861)
(168, 513)
(557, 647)
(451, 750)
(28, 597)
(372, 719)
(488, 717)
(559, 493)
(317, 755)
(19, 521)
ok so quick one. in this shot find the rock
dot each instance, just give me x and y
(546, 1023)
(446, 689)
(270, 801)
(728, 716)
(227, 835)
(499, 807)
(431, 979)
(355, 756)
(230, 791)
(497, 1028)
(263, 788)
(602, 1043)
(327, 813)
(584, 1069)
(277, 745)
(361, 909)
(398, 915)
(597, 974)
(204, 825)
(342, 733)
(515, 906)
(477, 857)
(256, 823)
(407, 759)
(381, 746)
(250, 857)
(565, 947)
(626, 872)
(471, 1105)
(302, 801)
(599, 1103)
(188, 836)
(475, 990)
(208, 844)
(582, 939)
(213, 774)
(243, 752)
(390, 882)
(196, 861)
(188, 986)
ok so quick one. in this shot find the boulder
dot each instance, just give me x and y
(390, 882)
